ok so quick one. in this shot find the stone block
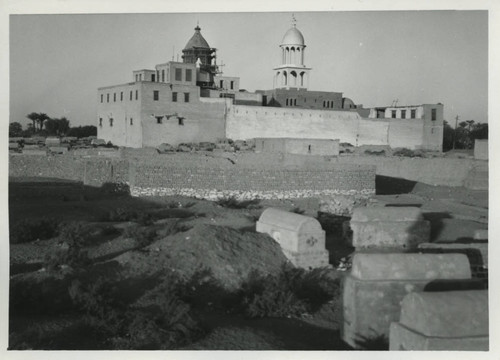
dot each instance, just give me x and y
(58, 149)
(402, 338)
(52, 141)
(36, 151)
(481, 149)
(477, 252)
(377, 284)
(301, 238)
(400, 228)
(394, 266)
(459, 319)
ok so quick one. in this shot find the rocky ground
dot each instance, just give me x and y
(132, 254)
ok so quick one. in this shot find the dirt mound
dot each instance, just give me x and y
(229, 254)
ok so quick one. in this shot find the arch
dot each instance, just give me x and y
(299, 56)
(302, 78)
(292, 55)
(287, 55)
(286, 102)
(295, 102)
(294, 78)
(285, 78)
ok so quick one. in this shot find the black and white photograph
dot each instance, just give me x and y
(294, 179)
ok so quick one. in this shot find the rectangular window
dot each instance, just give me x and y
(110, 121)
(114, 97)
(186, 97)
(188, 74)
(102, 97)
(433, 114)
(137, 94)
(156, 95)
(159, 119)
(174, 97)
(178, 74)
(107, 97)
(130, 95)
(221, 84)
(413, 114)
(100, 122)
(121, 95)
(403, 114)
(181, 120)
(153, 77)
(393, 114)
(131, 121)
(163, 75)
(232, 85)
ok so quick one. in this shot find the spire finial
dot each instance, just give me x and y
(294, 20)
(197, 28)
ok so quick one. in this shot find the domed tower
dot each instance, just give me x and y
(197, 51)
(292, 73)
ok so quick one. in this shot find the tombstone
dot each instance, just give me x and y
(481, 149)
(52, 141)
(451, 320)
(398, 228)
(98, 142)
(372, 292)
(301, 238)
(59, 150)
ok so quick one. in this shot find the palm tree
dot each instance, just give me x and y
(41, 118)
(33, 117)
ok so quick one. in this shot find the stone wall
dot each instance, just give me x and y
(246, 122)
(209, 177)
(250, 183)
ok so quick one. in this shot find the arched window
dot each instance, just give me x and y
(302, 78)
(294, 78)
(295, 102)
(285, 78)
(286, 102)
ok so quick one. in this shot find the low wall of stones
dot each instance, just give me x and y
(207, 176)
(248, 183)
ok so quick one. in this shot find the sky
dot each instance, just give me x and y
(57, 62)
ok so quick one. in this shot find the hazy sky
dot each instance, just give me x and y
(57, 62)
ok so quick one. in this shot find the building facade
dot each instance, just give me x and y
(191, 101)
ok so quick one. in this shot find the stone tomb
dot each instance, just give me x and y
(399, 228)
(301, 238)
(373, 291)
(452, 320)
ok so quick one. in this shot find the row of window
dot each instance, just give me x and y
(291, 102)
(156, 77)
(413, 114)
(159, 120)
(231, 84)
(156, 96)
(327, 104)
(121, 96)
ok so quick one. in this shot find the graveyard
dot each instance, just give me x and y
(94, 268)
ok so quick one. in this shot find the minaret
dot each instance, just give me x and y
(292, 73)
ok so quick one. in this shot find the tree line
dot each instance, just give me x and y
(44, 125)
(464, 135)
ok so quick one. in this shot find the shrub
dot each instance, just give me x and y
(31, 229)
(375, 152)
(115, 188)
(142, 235)
(233, 203)
(407, 153)
(291, 292)
(162, 321)
(74, 236)
(121, 214)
